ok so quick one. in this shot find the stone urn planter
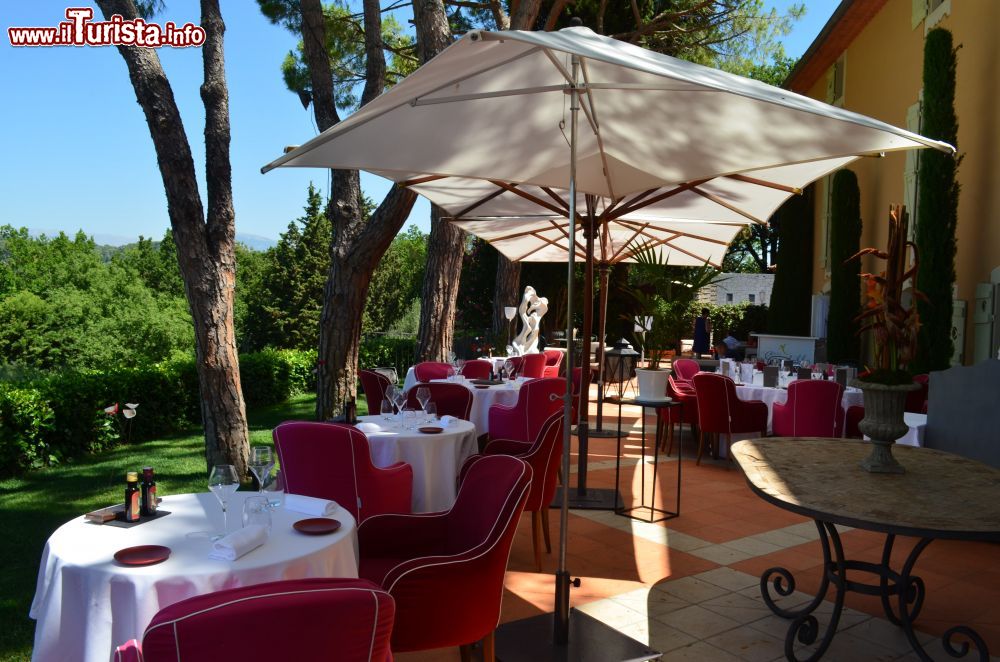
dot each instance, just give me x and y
(883, 423)
(652, 383)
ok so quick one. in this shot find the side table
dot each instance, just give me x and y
(651, 507)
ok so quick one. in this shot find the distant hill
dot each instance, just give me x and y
(108, 242)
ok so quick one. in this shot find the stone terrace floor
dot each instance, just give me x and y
(689, 587)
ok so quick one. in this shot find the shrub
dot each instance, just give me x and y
(26, 420)
(383, 351)
(272, 376)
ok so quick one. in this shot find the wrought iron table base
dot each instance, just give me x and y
(903, 586)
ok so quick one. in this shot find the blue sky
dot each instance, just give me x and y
(78, 151)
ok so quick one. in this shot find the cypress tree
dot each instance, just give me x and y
(937, 205)
(842, 343)
(790, 309)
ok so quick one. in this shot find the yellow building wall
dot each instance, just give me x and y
(883, 78)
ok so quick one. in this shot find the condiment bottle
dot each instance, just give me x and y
(132, 496)
(148, 492)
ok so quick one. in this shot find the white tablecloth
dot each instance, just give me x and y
(917, 424)
(86, 603)
(482, 399)
(436, 458)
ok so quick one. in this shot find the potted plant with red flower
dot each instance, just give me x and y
(892, 323)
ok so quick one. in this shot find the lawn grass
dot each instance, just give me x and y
(35, 505)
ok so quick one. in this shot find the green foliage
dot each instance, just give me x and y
(791, 296)
(741, 319)
(62, 306)
(396, 283)
(25, 423)
(61, 415)
(842, 343)
(384, 351)
(345, 43)
(937, 204)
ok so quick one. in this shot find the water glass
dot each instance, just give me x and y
(409, 417)
(256, 510)
(386, 409)
(431, 411)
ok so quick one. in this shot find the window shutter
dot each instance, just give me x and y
(918, 13)
(910, 170)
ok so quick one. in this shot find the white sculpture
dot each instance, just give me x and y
(531, 311)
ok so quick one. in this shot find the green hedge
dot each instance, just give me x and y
(383, 351)
(62, 415)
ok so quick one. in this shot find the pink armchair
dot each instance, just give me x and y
(720, 411)
(450, 399)
(333, 461)
(374, 385)
(543, 454)
(428, 370)
(685, 369)
(446, 570)
(533, 366)
(477, 369)
(813, 409)
(553, 360)
(349, 619)
(522, 421)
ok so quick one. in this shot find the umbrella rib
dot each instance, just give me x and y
(555, 196)
(597, 127)
(629, 208)
(625, 246)
(479, 202)
(558, 65)
(682, 233)
(764, 182)
(527, 196)
(487, 95)
(719, 201)
(421, 180)
(582, 250)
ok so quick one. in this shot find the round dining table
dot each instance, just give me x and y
(483, 397)
(436, 457)
(87, 603)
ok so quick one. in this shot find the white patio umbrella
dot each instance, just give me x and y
(504, 106)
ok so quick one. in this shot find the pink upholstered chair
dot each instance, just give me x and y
(346, 619)
(685, 369)
(450, 399)
(446, 570)
(720, 411)
(374, 385)
(533, 366)
(522, 421)
(543, 454)
(813, 409)
(477, 369)
(684, 393)
(333, 461)
(428, 370)
(553, 360)
(855, 413)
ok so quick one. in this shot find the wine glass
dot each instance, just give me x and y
(256, 510)
(508, 368)
(261, 465)
(400, 400)
(450, 373)
(423, 395)
(431, 410)
(223, 483)
(386, 409)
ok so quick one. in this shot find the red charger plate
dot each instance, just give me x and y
(430, 429)
(481, 385)
(316, 526)
(142, 555)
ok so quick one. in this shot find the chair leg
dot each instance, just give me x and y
(535, 542)
(701, 445)
(465, 652)
(489, 647)
(545, 530)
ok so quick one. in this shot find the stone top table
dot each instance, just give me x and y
(941, 496)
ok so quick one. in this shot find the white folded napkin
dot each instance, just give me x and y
(238, 543)
(447, 420)
(310, 505)
(369, 428)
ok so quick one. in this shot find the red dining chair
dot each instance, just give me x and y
(685, 369)
(533, 366)
(916, 401)
(855, 413)
(450, 399)
(374, 385)
(720, 411)
(535, 403)
(553, 360)
(813, 409)
(446, 570)
(333, 461)
(346, 619)
(477, 369)
(543, 454)
(666, 418)
(428, 370)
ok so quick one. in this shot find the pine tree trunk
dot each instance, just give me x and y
(205, 245)
(445, 248)
(506, 293)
